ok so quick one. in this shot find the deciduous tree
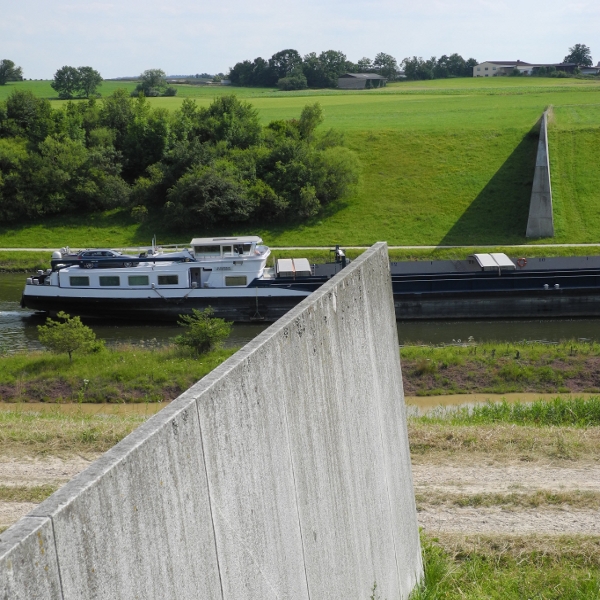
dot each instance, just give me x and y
(284, 62)
(67, 81)
(152, 82)
(386, 64)
(579, 54)
(89, 81)
(9, 71)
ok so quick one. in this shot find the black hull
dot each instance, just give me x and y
(446, 305)
(232, 309)
(472, 295)
(498, 305)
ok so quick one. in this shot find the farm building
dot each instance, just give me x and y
(493, 68)
(361, 81)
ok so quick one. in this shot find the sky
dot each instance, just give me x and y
(126, 37)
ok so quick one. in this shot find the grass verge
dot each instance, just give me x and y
(24, 493)
(515, 500)
(55, 433)
(443, 441)
(507, 568)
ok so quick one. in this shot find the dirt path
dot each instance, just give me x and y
(41, 471)
(444, 494)
(32, 472)
(496, 520)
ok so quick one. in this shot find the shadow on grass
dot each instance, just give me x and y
(498, 215)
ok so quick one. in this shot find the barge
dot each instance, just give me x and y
(487, 286)
(231, 275)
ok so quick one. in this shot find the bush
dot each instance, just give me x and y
(171, 91)
(294, 82)
(139, 213)
(67, 335)
(205, 332)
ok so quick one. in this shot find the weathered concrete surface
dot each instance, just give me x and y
(28, 561)
(541, 220)
(285, 473)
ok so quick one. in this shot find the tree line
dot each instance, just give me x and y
(194, 168)
(288, 70)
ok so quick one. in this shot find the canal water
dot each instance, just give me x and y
(18, 327)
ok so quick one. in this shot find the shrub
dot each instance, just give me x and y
(171, 91)
(205, 332)
(139, 213)
(294, 82)
(67, 335)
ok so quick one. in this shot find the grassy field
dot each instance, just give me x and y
(443, 162)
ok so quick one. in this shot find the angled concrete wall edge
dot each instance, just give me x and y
(540, 222)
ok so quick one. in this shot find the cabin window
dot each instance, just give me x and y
(227, 250)
(240, 280)
(168, 279)
(79, 281)
(208, 250)
(243, 249)
(110, 281)
(138, 280)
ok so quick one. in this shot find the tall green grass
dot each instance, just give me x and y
(500, 568)
(559, 412)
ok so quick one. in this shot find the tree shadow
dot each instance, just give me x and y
(498, 215)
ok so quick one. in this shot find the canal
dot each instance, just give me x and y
(18, 327)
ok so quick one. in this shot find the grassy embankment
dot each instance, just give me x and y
(121, 374)
(138, 374)
(511, 568)
(570, 366)
(444, 163)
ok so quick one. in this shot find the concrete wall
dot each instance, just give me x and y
(541, 220)
(285, 473)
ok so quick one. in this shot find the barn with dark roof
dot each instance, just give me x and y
(361, 81)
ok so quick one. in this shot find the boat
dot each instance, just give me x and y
(229, 274)
(495, 286)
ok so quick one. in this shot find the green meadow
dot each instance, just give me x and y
(444, 162)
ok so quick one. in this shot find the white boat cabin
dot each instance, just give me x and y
(211, 263)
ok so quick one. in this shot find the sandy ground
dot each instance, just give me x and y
(433, 480)
(430, 480)
(34, 472)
